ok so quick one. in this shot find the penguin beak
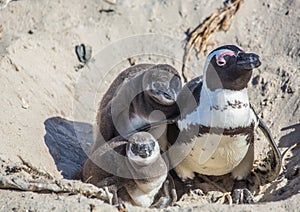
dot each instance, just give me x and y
(167, 95)
(145, 151)
(248, 61)
(170, 94)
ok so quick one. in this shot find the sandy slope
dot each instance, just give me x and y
(39, 79)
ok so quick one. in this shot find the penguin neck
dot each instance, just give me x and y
(222, 97)
(224, 108)
(143, 173)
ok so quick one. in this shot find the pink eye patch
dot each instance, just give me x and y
(220, 59)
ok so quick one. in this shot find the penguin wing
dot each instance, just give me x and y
(276, 162)
(108, 160)
(276, 158)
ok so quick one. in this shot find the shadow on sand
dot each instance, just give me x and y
(69, 143)
(291, 170)
(292, 138)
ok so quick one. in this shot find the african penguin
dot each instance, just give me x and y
(140, 95)
(215, 132)
(134, 165)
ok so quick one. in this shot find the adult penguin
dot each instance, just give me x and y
(215, 132)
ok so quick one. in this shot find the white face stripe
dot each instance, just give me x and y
(216, 54)
(143, 161)
(221, 60)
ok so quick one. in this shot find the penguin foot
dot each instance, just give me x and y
(163, 202)
(111, 186)
(188, 185)
(121, 207)
(240, 193)
(241, 196)
(109, 195)
(170, 195)
(171, 189)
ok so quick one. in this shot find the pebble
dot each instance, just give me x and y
(25, 104)
(111, 1)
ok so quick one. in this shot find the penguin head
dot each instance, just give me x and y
(162, 83)
(229, 67)
(142, 149)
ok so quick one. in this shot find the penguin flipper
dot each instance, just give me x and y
(276, 158)
(168, 194)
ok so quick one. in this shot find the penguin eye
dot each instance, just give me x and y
(155, 85)
(223, 58)
(134, 148)
(175, 83)
(152, 144)
(221, 62)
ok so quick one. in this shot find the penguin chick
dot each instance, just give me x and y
(215, 132)
(135, 165)
(140, 95)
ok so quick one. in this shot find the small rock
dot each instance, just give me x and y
(131, 61)
(25, 104)
(287, 12)
(111, 1)
(294, 172)
(255, 80)
(83, 53)
(215, 194)
(290, 90)
(106, 11)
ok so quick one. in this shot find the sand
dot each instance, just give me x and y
(45, 90)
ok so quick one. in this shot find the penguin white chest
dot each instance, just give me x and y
(213, 154)
(143, 193)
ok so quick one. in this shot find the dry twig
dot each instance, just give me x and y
(47, 183)
(1, 30)
(219, 20)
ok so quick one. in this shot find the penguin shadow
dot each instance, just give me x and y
(291, 167)
(69, 143)
(291, 140)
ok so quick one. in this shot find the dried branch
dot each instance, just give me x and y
(219, 20)
(45, 182)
